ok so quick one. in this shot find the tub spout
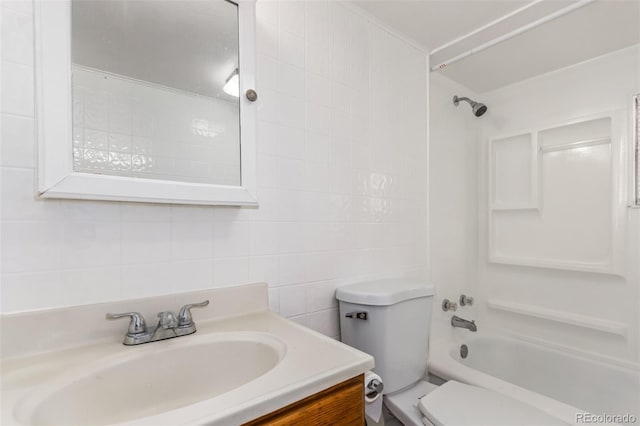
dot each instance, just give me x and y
(456, 321)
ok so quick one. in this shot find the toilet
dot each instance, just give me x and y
(390, 320)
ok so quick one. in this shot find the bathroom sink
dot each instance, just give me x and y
(152, 379)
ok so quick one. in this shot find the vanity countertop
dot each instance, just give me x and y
(310, 363)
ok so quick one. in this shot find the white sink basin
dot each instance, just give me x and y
(151, 379)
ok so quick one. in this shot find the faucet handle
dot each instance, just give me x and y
(136, 324)
(167, 319)
(466, 300)
(184, 316)
(448, 305)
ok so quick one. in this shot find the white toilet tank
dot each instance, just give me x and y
(396, 329)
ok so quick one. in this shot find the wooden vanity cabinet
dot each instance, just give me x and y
(340, 405)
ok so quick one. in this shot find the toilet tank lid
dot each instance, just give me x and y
(384, 292)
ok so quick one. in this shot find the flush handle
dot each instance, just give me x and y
(357, 315)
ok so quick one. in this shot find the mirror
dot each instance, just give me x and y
(157, 110)
(147, 83)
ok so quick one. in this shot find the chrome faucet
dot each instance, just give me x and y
(169, 325)
(456, 321)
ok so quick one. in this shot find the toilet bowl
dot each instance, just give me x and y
(390, 320)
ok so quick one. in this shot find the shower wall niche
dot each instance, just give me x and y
(552, 196)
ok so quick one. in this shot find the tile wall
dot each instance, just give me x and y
(342, 174)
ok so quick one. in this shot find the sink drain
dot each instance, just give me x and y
(464, 351)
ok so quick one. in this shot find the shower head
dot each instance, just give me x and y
(477, 107)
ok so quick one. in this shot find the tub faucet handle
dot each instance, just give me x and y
(448, 305)
(466, 300)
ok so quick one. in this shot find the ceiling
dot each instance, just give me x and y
(585, 33)
(190, 45)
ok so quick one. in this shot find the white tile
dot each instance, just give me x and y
(293, 300)
(274, 300)
(264, 269)
(18, 141)
(19, 201)
(22, 6)
(267, 72)
(267, 138)
(268, 106)
(317, 147)
(318, 89)
(292, 17)
(291, 111)
(28, 291)
(88, 244)
(32, 246)
(291, 237)
(316, 177)
(317, 59)
(291, 173)
(17, 36)
(191, 240)
(291, 49)
(321, 296)
(230, 271)
(340, 96)
(291, 142)
(17, 89)
(263, 238)
(90, 211)
(316, 225)
(192, 275)
(318, 118)
(325, 322)
(267, 39)
(141, 212)
(148, 279)
(267, 172)
(186, 213)
(267, 11)
(317, 28)
(292, 269)
(84, 286)
(318, 236)
(146, 242)
(231, 240)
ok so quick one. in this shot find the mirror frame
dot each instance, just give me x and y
(55, 175)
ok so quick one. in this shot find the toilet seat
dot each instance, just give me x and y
(403, 404)
(459, 404)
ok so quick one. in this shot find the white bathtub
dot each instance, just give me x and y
(557, 382)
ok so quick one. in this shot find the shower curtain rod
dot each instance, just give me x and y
(512, 34)
(484, 27)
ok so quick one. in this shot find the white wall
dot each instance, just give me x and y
(600, 85)
(454, 146)
(341, 171)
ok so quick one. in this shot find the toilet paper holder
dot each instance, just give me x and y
(375, 387)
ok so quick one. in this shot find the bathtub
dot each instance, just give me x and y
(567, 386)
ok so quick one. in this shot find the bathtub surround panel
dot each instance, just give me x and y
(550, 168)
(340, 181)
(580, 119)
